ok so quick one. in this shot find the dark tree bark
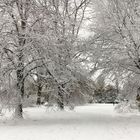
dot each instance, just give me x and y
(20, 60)
(60, 99)
(19, 111)
(38, 102)
(138, 98)
(20, 85)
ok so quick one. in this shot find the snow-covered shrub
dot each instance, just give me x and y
(127, 96)
(126, 107)
(51, 107)
(104, 93)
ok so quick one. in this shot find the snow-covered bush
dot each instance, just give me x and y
(104, 93)
(126, 107)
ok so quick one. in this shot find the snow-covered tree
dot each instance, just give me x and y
(38, 40)
(116, 31)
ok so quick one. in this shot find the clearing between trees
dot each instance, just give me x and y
(89, 122)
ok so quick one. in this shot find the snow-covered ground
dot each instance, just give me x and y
(91, 122)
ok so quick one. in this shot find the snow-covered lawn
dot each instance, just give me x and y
(91, 122)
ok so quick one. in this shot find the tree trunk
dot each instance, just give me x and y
(20, 85)
(18, 108)
(20, 70)
(138, 98)
(38, 102)
(60, 100)
(19, 111)
(22, 11)
(139, 107)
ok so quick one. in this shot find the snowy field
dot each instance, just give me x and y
(91, 122)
